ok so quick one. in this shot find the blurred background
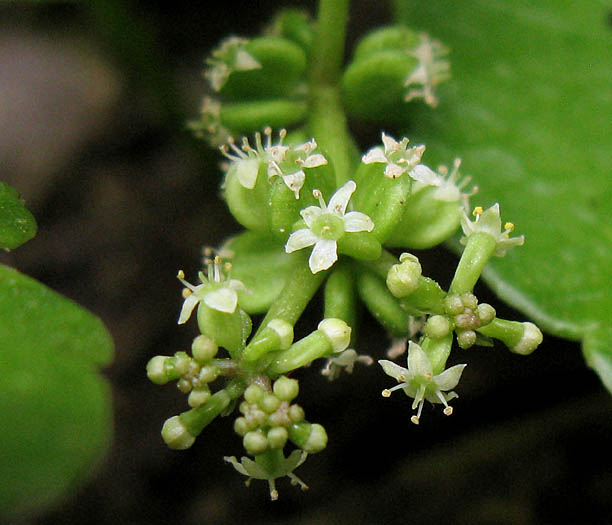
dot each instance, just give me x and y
(93, 103)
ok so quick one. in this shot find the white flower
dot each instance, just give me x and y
(289, 162)
(344, 361)
(325, 225)
(432, 70)
(489, 222)
(400, 159)
(230, 56)
(216, 292)
(418, 380)
(271, 471)
(284, 161)
(209, 126)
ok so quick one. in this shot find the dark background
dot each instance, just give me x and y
(93, 104)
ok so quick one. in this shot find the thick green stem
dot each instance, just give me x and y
(328, 52)
(326, 117)
(478, 250)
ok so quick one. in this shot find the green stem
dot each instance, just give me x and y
(478, 250)
(327, 120)
(328, 52)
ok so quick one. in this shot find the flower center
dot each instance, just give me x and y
(328, 226)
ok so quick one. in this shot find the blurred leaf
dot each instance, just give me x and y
(529, 110)
(55, 406)
(17, 225)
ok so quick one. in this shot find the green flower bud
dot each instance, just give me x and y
(294, 25)
(311, 438)
(286, 389)
(208, 373)
(184, 385)
(242, 426)
(255, 443)
(296, 413)
(203, 349)
(198, 396)
(437, 326)
(181, 362)
(269, 403)
(466, 339)
(453, 305)
(284, 331)
(531, 339)
(486, 313)
(338, 333)
(277, 437)
(253, 394)
(469, 300)
(403, 278)
(175, 434)
(157, 372)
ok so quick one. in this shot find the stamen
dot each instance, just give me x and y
(318, 195)
(186, 292)
(217, 268)
(386, 393)
(477, 211)
(509, 227)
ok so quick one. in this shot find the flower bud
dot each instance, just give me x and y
(284, 331)
(309, 437)
(437, 326)
(203, 349)
(242, 426)
(286, 389)
(277, 437)
(486, 313)
(175, 434)
(466, 339)
(208, 373)
(296, 413)
(198, 396)
(253, 393)
(403, 278)
(255, 442)
(156, 370)
(269, 403)
(337, 332)
(532, 337)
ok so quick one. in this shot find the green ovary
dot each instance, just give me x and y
(328, 226)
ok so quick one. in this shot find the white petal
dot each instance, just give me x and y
(490, 221)
(223, 300)
(246, 170)
(338, 202)
(355, 221)
(323, 256)
(394, 370)
(425, 175)
(418, 362)
(244, 61)
(449, 378)
(310, 214)
(390, 143)
(189, 304)
(374, 155)
(295, 181)
(235, 284)
(314, 160)
(300, 239)
(393, 171)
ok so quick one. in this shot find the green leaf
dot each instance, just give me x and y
(17, 225)
(529, 111)
(55, 406)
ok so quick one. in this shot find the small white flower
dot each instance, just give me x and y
(432, 70)
(400, 159)
(280, 160)
(450, 185)
(230, 56)
(344, 361)
(209, 126)
(489, 222)
(418, 380)
(289, 162)
(215, 291)
(325, 225)
(271, 472)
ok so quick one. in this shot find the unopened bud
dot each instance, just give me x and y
(403, 278)
(175, 434)
(338, 333)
